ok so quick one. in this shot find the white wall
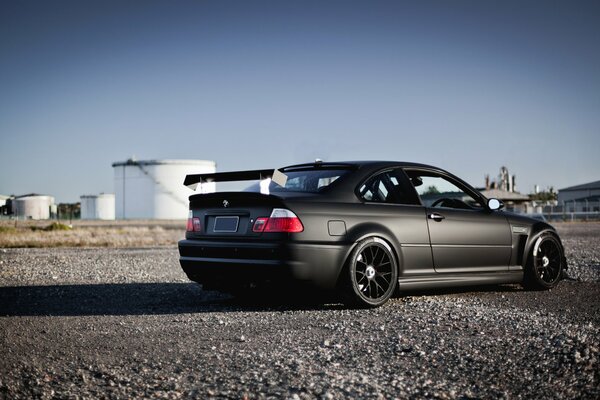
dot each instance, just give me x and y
(159, 192)
(98, 207)
(33, 207)
(134, 193)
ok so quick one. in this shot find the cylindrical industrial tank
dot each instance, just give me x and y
(100, 206)
(32, 206)
(153, 189)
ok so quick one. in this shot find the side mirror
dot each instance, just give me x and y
(495, 204)
(416, 181)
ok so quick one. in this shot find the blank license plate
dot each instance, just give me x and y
(226, 224)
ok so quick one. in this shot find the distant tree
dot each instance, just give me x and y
(69, 210)
(545, 195)
(432, 190)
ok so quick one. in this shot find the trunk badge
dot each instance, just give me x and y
(225, 203)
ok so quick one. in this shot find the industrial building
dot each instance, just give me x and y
(579, 192)
(505, 188)
(580, 198)
(101, 206)
(4, 208)
(513, 201)
(33, 206)
(153, 189)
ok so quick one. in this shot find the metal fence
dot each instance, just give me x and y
(572, 210)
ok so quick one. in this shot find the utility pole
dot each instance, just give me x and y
(123, 205)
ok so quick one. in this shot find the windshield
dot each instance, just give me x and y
(306, 181)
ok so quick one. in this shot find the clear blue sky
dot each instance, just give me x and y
(467, 86)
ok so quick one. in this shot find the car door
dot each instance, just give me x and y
(465, 235)
(389, 198)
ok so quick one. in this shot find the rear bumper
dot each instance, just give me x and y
(223, 264)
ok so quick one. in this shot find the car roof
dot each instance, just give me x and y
(360, 170)
(363, 163)
(363, 169)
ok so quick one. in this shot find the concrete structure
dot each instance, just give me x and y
(505, 188)
(100, 206)
(33, 206)
(504, 182)
(153, 189)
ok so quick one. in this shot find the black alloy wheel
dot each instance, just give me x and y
(545, 266)
(373, 272)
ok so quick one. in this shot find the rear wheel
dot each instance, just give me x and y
(372, 273)
(545, 263)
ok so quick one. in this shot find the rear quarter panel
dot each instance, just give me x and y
(403, 227)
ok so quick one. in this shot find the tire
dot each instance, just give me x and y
(544, 267)
(371, 273)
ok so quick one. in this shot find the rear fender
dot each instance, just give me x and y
(363, 231)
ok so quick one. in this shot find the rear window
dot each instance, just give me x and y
(305, 181)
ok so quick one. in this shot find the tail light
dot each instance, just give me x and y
(260, 224)
(281, 220)
(193, 223)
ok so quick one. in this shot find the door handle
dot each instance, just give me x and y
(436, 216)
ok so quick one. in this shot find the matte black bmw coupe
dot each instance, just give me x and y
(365, 228)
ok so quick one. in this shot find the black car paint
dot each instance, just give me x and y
(467, 247)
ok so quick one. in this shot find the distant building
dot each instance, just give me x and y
(504, 182)
(33, 206)
(153, 189)
(513, 201)
(5, 209)
(580, 192)
(580, 198)
(101, 206)
(505, 195)
(504, 188)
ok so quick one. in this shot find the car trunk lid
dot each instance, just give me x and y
(231, 214)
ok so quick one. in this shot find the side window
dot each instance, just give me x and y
(387, 187)
(374, 190)
(437, 191)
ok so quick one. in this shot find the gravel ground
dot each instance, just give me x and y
(122, 323)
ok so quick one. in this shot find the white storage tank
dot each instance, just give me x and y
(33, 206)
(153, 189)
(101, 206)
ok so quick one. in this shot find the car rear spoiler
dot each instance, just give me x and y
(275, 175)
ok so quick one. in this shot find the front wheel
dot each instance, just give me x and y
(372, 273)
(545, 263)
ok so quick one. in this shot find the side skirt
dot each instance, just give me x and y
(454, 280)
